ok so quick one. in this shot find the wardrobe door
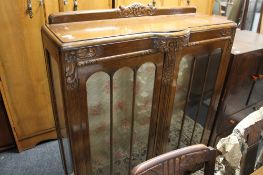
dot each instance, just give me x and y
(23, 72)
(202, 6)
(74, 5)
(169, 3)
(158, 3)
(66, 5)
(51, 6)
(94, 4)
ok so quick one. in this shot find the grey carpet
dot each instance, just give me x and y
(44, 159)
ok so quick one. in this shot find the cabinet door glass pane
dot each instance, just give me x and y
(180, 99)
(143, 110)
(120, 141)
(98, 97)
(195, 87)
(122, 115)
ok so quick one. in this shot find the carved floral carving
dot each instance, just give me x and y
(86, 53)
(170, 46)
(71, 75)
(72, 58)
(70, 70)
(226, 32)
(137, 9)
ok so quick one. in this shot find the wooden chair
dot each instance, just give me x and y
(179, 162)
(252, 134)
(248, 134)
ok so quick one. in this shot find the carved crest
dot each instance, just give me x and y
(137, 9)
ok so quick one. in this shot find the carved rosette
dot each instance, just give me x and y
(137, 9)
(71, 63)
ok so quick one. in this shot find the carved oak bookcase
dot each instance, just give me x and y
(130, 83)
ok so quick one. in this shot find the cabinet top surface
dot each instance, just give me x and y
(90, 30)
(246, 41)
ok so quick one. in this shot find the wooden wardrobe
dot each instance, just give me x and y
(131, 83)
(23, 76)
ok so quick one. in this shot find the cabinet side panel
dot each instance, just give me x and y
(58, 110)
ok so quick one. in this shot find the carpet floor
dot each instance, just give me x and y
(44, 159)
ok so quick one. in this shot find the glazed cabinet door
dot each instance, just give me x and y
(117, 105)
(121, 111)
(198, 87)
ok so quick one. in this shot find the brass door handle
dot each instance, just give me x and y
(75, 8)
(29, 10)
(257, 77)
(188, 2)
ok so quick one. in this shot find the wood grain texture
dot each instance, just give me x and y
(22, 69)
(92, 15)
(127, 26)
(84, 5)
(94, 4)
(50, 6)
(202, 6)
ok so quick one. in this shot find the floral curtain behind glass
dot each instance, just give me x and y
(98, 97)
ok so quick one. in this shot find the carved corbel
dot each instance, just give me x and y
(72, 60)
(170, 46)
